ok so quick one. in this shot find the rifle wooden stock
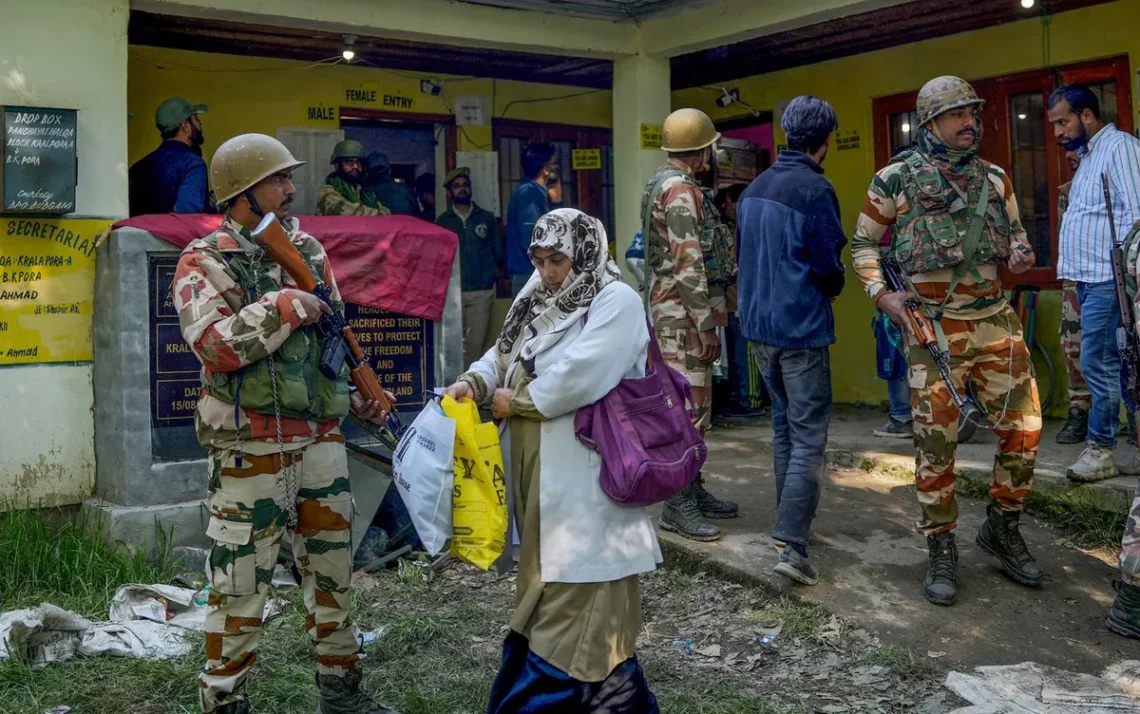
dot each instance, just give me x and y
(272, 236)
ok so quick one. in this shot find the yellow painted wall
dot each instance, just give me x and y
(851, 83)
(248, 94)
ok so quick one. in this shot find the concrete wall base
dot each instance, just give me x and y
(151, 528)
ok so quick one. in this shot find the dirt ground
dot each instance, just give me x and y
(872, 563)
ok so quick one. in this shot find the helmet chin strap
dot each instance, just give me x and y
(254, 206)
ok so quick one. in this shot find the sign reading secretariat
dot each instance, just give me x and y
(400, 348)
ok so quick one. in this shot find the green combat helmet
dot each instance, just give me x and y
(942, 94)
(347, 149)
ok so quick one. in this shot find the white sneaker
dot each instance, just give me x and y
(1095, 464)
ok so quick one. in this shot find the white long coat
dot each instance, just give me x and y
(585, 537)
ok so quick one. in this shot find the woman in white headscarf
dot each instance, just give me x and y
(574, 332)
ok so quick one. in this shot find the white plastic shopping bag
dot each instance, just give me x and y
(424, 473)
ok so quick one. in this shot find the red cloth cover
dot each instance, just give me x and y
(395, 263)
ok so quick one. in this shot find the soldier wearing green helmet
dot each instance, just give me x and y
(344, 193)
(954, 221)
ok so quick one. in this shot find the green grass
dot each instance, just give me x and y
(800, 619)
(64, 558)
(1093, 518)
(909, 665)
(440, 648)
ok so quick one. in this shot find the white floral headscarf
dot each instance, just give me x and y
(540, 318)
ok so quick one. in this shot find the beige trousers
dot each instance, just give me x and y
(476, 320)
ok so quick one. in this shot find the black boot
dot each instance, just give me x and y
(682, 516)
(1000, 536)
(342, 695)
(941, 583)
(1076, 427)
(1124, 615)
(709, 505)
(238, 707)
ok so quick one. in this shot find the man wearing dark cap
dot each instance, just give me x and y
(394, 195)
(172, 178)
(480, 252)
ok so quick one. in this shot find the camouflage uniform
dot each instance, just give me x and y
(682, 305)
(1079, 396)
(1130, 544)
(983, 334)
(254, 481)
(339, 198)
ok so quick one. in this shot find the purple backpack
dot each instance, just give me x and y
(644, 431)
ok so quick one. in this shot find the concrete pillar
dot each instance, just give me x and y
(641, 97)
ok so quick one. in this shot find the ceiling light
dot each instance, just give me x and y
(349, 51)
(906, 128)
(1027, 4)
(1020, 116)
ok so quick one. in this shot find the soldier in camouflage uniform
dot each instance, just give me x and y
(270, 423)
(678, 222)
(955, 220)
(1076, 426)
(1124, 615)
(344, 193)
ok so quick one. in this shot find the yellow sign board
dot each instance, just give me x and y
(651, 136)
(586, 159)
(47, 289)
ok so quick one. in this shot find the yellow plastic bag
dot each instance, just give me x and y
(479, 497)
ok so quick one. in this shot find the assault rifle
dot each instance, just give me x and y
(924, 333)
(1126, 340)
(339, 343)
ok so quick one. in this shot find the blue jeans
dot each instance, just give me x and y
(898, 394)
(1100, 359)
(799, 383)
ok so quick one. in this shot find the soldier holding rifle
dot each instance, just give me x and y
(269, 417)
(955, 221)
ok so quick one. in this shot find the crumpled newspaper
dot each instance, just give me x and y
(1031, 688)
(146, 621)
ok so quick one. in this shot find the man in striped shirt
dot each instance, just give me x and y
(1086, 258)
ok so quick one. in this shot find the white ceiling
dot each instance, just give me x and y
(601, 9)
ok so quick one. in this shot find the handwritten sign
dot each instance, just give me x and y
(39, 167)
(47, 289)
(651, 136)
(586, 159)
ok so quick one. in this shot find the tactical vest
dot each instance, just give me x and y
(718, 245)
(303, 392)
(929, 235)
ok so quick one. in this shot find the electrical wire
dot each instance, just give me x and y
(547, 99)
(481, 147)
(360, 60)
(160, 64)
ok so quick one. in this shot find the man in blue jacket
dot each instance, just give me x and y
(529, 202)
(789, 241)
(172, 178)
